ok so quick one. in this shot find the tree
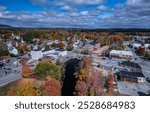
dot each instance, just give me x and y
(110, 82)
(53, 87)
(3, 49)
(61, 45)
(95, 83)
(81, 88)
(92, 85)
(3, 52)
(28, 36)
(24, 89)
(82, 74)
(87, 62)
(54, 45)
(70, 48)
(22, 47)
(25, 72)
(47, 68)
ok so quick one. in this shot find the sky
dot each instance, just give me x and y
(75, 13)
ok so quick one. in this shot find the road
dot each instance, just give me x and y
(8, 79)
(145, 65)
(9, 72)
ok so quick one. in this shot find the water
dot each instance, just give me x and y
(70, 80)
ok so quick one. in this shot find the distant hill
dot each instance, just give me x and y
(5, 26)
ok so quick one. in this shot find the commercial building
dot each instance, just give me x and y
(133, 77)
(131, 66)
(121, 54)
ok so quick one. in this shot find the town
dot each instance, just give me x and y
(69, 62)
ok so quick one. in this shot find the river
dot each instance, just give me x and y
(70, 80)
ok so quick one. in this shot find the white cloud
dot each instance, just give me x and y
(39, 2)
(129, 14)
(74, 14)
(66, 7)
(102, 7)
(85, 2)
(138, 3)
(84, 13)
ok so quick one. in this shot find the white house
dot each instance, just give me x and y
(36, 55)
(35, 47)
(13, 50)
(61, 53)
(9, 44)
(136, 45)
(146, 45)
(46, 52)
(121, 54)
(56, 53)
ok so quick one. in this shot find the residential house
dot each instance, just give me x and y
(36, 54)
(12, 50)
(136, 45)
(146, 46)
(97, 46)
(101, 50)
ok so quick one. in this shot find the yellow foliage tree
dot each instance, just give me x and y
(82, 74)
(24, 89)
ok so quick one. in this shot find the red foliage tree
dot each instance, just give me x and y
(53, 87)
(81, 88)
(25, 72)
(92, 85)
(61, 45)
(110, 82)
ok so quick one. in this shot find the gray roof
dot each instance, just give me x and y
(11, 48)
(130, 74)
(130, 64)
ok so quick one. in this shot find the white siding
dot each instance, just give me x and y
(36, 55)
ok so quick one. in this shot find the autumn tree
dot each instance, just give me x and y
(47, 68)
(110, 82)
(24, 89)
(25, 72)
(61, 45)
(53, 87)
(87, 62)
(22, 47)
(81, 88)
(82, 74)
(95, 83)
(92, 85)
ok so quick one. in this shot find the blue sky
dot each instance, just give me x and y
(76, 13)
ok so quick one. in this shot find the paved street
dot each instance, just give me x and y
(145, 65)
(9, 72)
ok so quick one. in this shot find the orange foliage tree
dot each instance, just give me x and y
(53, 87)
(110, 82)
(61, 45)
(25, 72)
